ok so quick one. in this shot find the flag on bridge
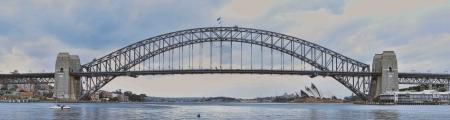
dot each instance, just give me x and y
(219, 21)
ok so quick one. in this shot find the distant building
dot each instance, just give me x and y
(121, 97)
(426, 96)
(95, 96)
(286, 95)
(105, 94)
(26, 94)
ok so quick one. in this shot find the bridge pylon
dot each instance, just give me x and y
(67, 87)
(386, 64)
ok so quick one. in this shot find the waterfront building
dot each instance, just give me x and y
(121, 97)
(426, 96)
(95, 97)
(105, 94)
(26, 94)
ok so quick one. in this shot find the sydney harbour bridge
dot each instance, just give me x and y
(224, 50)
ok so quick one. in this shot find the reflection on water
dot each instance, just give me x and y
(221, 111)
(385, 115)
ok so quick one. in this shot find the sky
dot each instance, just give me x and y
(33, 32)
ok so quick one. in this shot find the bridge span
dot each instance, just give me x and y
(224, 50)
(404, 78)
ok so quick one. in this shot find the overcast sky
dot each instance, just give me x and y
(33, 32)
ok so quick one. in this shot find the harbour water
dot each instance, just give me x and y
(249, 111)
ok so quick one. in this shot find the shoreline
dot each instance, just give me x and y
(355, 103)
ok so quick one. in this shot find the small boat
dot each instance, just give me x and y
(60, 107)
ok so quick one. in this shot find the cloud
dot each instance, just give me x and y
(38, 54)
(382, 9)
(369, 27)
(16, 59)
(425, 53)
(245, 10)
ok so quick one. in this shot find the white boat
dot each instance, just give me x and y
(60, 107)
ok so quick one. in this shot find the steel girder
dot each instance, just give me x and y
(227, 71)
(27, 75)
(423, 80)
(27, 78)
(320, 57)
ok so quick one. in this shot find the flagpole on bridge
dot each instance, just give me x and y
(219, 21)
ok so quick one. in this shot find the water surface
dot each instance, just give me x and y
(249, 111)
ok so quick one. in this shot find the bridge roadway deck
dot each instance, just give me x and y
(227, 71)
(404, 78)
(27, 75)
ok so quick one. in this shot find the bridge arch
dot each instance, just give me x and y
(320, 57)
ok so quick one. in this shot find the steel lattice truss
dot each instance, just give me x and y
(28, 81)
(141, 56)
(27, 78)
(426, 81)
(424, 78)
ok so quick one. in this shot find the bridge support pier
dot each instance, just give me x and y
(67, 87)
(386, 64)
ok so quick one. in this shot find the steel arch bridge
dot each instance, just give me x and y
(221, 50)
(135, 56)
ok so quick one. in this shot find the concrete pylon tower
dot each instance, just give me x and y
(67, 87)
(386, 64)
